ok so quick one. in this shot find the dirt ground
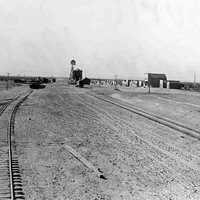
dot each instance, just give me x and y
(179, 105)
(140, 159)
(12, 92)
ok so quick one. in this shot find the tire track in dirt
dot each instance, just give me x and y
(144, 180)
(156, 138)
(134, 167)
(178, 161)
(176, 168)
(187, 115)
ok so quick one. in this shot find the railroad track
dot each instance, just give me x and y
(153, 117)
(6, 103)
(10, 178)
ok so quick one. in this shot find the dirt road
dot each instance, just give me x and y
(63, 135)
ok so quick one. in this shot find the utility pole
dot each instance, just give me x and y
(149, 87)
(194, 79)
(148, 81)
(85, 73)
(115, 82)
(7, 80)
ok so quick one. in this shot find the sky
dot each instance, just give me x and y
(107, 38)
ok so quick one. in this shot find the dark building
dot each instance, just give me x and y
(156, 79)
(77, 74)
(85, 81)
(175, 84)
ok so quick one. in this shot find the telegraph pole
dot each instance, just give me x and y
(194, 79)
(115, 82)
(148, 81)
(149, 87)
(7, 81)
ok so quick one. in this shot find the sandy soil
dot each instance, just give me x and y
(179, 105)
(140, 159)
(13, 92)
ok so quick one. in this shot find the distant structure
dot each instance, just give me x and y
(28, 79)
(173, 84)
(72, 62)
(157, 80)
(85, 81)
(76, 76)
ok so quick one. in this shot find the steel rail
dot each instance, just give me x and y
(15, 193)
(161, 120)
(7, 163)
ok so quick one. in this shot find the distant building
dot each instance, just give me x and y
(77, 75)
(85, 81)
(175, 84)
(157, 80)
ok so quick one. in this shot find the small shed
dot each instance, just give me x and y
(175, 84)
(85, 81)
(157, 80)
